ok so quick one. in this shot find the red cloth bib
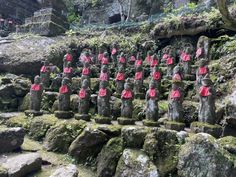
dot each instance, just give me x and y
(67, 70)
(68, 57)
(102, 92)
(186, 57)
(148, 59)
(138, 62)
(126, 94)
(120, 76)
(122, 60)
(114, 51)
(156, 75)
(35, 87)
(100, 57)
(64, 89)
(82, 93)
(138, 75)
(103, 76)
(175, 94)
(105, 61)
(199, 52)
(85, 71)
(204, 91)
(154, 63)
(203, 70)
(43, 69)
(169, 61)
(152, 93)
(177, 77)
(132, 58)
(165, 56)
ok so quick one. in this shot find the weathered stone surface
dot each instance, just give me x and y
(133, 136)
(202, 156)
(18, 121)
(228, 143)
(23, 164)
(135, 163)
(172, 125)
(60, 136)
(67, 171)
(87, 145)
(11, 139)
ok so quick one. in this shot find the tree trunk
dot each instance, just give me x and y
(129, 11)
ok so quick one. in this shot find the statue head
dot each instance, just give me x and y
(46, 63)
(139, 56)
(86, 53)
(206, 81)
(202, 62)
(156, 68)
(122, 54)
(104, 69)
(68, 65)
(177, 69)
(121, 69)
(65, 81)
(106, 54)
(152, 84)
(154, 56)
(103, 84)
(37, 79)
(86, 64)
(149, 53)
(85, 84)
(68, 51)
(174, 86)
(188, 50)
(139, 68)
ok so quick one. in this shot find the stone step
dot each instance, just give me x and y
(67, 171)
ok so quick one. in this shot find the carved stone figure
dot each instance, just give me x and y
(68, 71)
(120, 80)
(148, 58)
(104, 75)
(154, 61)
(170, 62)
(67, 58)
(105, 59)
(86, 73)
(139, 61)
(100, 56)
(138, 81)
(203, 48)
(186, 60)
(177, 74)
(122, 60)
(86, 58)
(202, 71)
(156, 77)
(207, 94)
(114, 53)
(45, 74)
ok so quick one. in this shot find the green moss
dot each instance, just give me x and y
(18, 121)
(138, 112)
(202, 124)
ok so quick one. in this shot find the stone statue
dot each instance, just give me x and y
(68, 71)
(127, 98)
(36, 92)
(170, 62)
(132, 59)
(186, 60)
(207, 95)
(139, 61)
(138, 81)
(152, 97)
(148, 58)
(203, 48)
(202, 71)
(154, 61)
(100, 56)
(86, 58)
(64, 100)
(122, 60)
(45, 74)
(177, 74)
(104, 75)
(105, 59)
(120, 80)
(114, 52)
(86, 73)
(175, 108)
(67, 58)
(84, 101)
(156, 77)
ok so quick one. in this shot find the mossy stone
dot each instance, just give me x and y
(172, 125)
(229, 143)
(19, 121)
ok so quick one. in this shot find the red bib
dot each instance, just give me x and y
(165, 56)
(138, 62)
(114, 51)
(105, 61)
(156, 75)
(82, 93)
(120, 76)
(85, 71)
(169, 61)
(138, 75)
(148, 59)
(154, 63)
(122, 60)
(35, 87)
(177, 77)
(185, 57)
(152, 93)
(64, 89)
(199, 52)
(102, 92)
(103, 76)
(43, 69)
(204, 91)
(132, 58)
(67, 70)
(202, 70)
(175, 94)
(100, 57)
(68, 57)
(126, 94)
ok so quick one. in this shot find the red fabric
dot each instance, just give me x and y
(105, 61)
(154, 62)
(114, 51)
(132, 58)
(175, 94)
(122, 60)
(203, 70)
(148, 59)
(86, 71)
(64, 89)
(165, 56)
(120, 76)
(102, 92)
(185, 57)
(138, 75)
(68, 57)
(100, 56)
(177, 77)
(199, 52)
(103, 76)
(43, 69)
(82, 93)
(138, 62)
(126, 94)
(182, 54)
(35, 87)
(152, 93)
(67, 70)
(169, 61)
(204, 91)
(156, 75)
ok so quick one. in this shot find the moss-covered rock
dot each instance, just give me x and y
(39, 126)
(60, 136)
(110, 130)
(203, 156)
(228, 143)
(108, 158)
(19, 121)
(135, 163)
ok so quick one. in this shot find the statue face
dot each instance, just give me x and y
(176, 70)
(69, 64)
(85, 84)
(103, 84)
(104, 69)
(139, 68)
(127, 86)
(152, 85)
(65, 81)
(37, 80)
(86, 64)
(46, 63)
(174, 87)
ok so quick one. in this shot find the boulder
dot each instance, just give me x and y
(108, 158)
(60, 136)
(23, 164)
(203, 156)
(87, 145)
(133, 136)
(19, 121)
(67, 171)
(11, 139)
(214, 130)
(228, 143)
(135, 163)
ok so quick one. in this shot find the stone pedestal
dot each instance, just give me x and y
(125, 121)
(64, 114)
(103, 120)
(150, 123)
(178, 126)
(33, 113)
(214, 130)
(85, 117)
